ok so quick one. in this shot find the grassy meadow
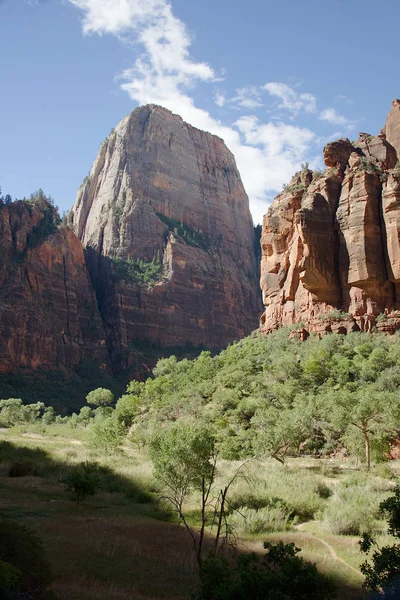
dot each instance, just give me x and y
(121, 543)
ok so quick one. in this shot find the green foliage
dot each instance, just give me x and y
(64, 391)
(334, 315)
(9, 577)
(190, 236)
(107, 434)
(295, 188)
(100, 397)
(144, 273)
(24, 572)
(83, 481)
(370, 167)
(14, 412)
(255, 521)
(274, 396)
(382, 574)
(182, 458)
(127, 409)
(279, 574)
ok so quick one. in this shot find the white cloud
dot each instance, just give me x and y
(334, 118)
(291, 100)
(247, 97)
(219, 99)
(164, 73)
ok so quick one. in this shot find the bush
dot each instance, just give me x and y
(107, 434)
(23, 568)
(83, 481)
(342, 519)
(280, 574)
(263, 520)
(22, 469)
(144, 273)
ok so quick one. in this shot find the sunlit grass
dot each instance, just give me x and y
(117, 546)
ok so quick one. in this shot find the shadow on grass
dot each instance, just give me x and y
(20, 461)
(110, 537)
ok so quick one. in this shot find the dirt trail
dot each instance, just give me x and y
(331, 550)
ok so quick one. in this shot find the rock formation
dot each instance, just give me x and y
(331, 241)
(48, 309)
(165, 223)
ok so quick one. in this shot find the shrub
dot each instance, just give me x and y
(263, 520)
(280, 574)
(107, 434)
(83, 481)
(138, 271)
(23, 567)
(343, 519)
(334, 315)
(323, 490)
(22, 469)
(367, 165)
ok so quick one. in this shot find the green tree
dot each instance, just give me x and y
(127, 409)
(280, 431)
(86, 414)
(100, 397)
(366, 413)
(83, 481)
(107, 434)
(383, 573)
(184, 460)
(10, 412)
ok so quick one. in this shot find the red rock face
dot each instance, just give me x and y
(161, 188)
(330, 243)
(48, 310)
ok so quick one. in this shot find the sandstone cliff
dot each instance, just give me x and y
(331, 241)
(165, 222)
(48, 309)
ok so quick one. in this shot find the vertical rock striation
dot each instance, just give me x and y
(330, 242)
(165, 222)
(48, 310)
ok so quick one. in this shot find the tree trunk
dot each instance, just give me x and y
(367, 448)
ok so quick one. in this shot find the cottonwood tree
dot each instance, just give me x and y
(280, 431)
(184, 460)
(365, 413)
(100, 397)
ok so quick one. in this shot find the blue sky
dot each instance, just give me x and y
(276, 80)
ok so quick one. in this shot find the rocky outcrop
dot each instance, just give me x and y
(48, 310)
(330, 241)
(165, 223)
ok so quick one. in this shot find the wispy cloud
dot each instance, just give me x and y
(219, 99)
(164, 72)
(247, 97)
(334, 118)
(290, 100)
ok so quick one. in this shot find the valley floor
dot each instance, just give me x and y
(121, 544)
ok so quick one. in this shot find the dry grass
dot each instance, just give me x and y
(113, 548)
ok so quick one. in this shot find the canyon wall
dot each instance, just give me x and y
(331, 241)
(48, 309)
(168, 237)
